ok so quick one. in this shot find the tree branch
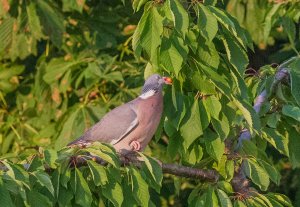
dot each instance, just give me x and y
(281, 75)
(239, 182)
(173, 169)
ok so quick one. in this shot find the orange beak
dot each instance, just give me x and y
(168, 80)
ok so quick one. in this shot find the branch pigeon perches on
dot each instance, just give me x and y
(131, 126)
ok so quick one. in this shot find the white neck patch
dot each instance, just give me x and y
(148, 94)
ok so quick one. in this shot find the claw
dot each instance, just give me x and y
(136, 146)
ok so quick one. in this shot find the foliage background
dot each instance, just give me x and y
(65, 63)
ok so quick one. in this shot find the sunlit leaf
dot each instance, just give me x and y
(180, 16)
(256, 173)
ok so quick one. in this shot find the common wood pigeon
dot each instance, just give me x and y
(131, 126)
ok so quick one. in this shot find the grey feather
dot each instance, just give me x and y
(114, 126)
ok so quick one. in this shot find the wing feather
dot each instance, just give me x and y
(113, 127)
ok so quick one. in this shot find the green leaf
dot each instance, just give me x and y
(211, 199)
(229, 168)
(65, 172)
(36, 199)
(239, 203)
(232, 26)
(128, 192)
(69, 5)
(18, 173)
(271, 170)
(221, 126)
(212, 106)
(225, 186)
(256, 173)
(154, 168)
(283, 199)
(72, 128)
(295, 80)
(113, 192)
(172, 54)
(270, 19)
(224, 200)
(4, 195)
(140, 188)
(207, 53)
(34, 21)
(277, 140)
(291, 111)
(64, 197)
(191, 127)
(207, 23)
(289, 28)
(83, 195)
(195, 155)
(6, 31)
(57, 67)
(50, 157)
(249, 148)
(105, 152)
(214, 145)
(148, 33)
(249, 114)
(175, 110)
(7, 73)
(52, 21)
(180, 16)
(273, 119)
(294, 146)
(137, 4)
(236, 55)
(264, 199)
(44, 179)
(98, 173)
(202, 84)
(174, 145)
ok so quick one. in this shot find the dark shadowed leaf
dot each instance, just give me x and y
(52, 21)
(291, 111)
(294, 147)
(36, 199)
(98, 173)
(214, 145)
(295, 77)
(4, 195)
(140, 188)
(83, 195)
(113, 192)
(44, 179)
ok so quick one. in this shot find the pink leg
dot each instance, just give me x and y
(136, 146)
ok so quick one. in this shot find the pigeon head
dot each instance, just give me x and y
(153, 85)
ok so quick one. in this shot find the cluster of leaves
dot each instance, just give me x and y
(74, 79)
(267, 24)
(92, 185)
(205, 49)
(58, 75)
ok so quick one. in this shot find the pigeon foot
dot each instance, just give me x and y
(136, 146)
